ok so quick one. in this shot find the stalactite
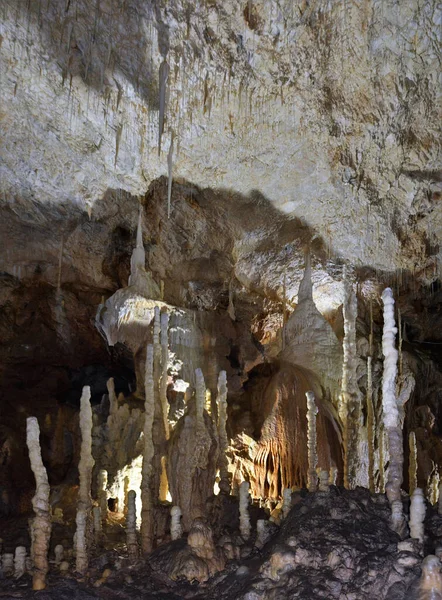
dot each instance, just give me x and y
(412, 465)
(244, 518)
(381, 460)
(390, 408)
(148, 453)
(163, 76)
(224, 483)
(370, 426)
(169, 175)
(131, 527)
(84, 501)
(350, 405)
(41, 523)
(164, 325)
(417, 515)
(164, 483)
(439, 505)
(176, 529)
(102, 493)
(312, 411)
(19, 562)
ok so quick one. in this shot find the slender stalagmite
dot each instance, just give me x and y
(417, 515)
(224, 483)
(84, 500)
(148, 452)
(312, 411)
(244, 517)
(370, 426)
(286, 502)
(102, 493)
(19, 562)
(131, 527)
(98, 528)
(412, 463)
(200, 395)
(390, 410)
(113, 402)
(41, 524)
(164, 362)
(350, 406)
(176, 529)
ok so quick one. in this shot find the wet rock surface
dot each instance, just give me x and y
(335, 545)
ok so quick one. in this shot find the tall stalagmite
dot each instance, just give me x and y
(390, 411)
(350, 403)
(312, 411)
(41, 524)
(84, 502)
(222, 433)
(147, 497)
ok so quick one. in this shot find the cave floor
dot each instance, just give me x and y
(335, 545)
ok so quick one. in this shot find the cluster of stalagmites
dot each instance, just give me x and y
(185, 461)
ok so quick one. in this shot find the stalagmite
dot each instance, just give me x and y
(41, 524)
(131, 527)
(370, 426)
(98, 529)
(390, 408)
(412, 464)
(324, 478)
(148, 452)
(113, 402)
(312, 411)
(286, 502)
(176, 530)
(224, 483)
(244, 518)
(164, 362)
(19, 562)
(417, 515)
(59, 555)
(84, 501)
(350, 404)
(7, 564)
(430, 585)
(102, 493)
(439, 505)
(200, 395)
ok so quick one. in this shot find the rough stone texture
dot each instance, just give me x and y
(335, 105)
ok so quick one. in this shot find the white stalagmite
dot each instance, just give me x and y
(417, 515)
(176, 529)
(412, 463)
(370, 426)
(390, 408)
(244, 518)
(148, 453)
(41, 524)
(102, 493)
(286, 502)
(7, 564)
(430, 585)
(324, 478)
(20, 562)
(312, 411)
(224, 483)
(164, 362)
(200, 395)
(59, 554)
(131, 527)
(349, 409)
(84, 501)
